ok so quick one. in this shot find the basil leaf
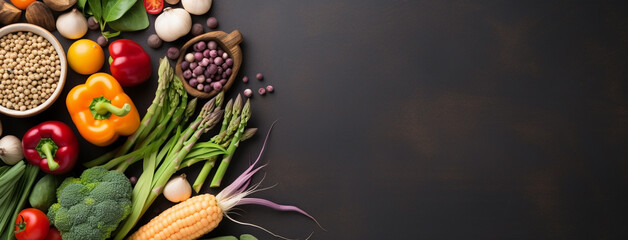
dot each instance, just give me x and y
(81, 4)
(115, 9)
(96, 7)
(133, 20)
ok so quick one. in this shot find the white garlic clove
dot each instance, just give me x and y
(72, 25)
(11, 150)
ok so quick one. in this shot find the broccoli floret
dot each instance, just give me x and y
(71, 195)
(83, 231)
(52, 210)
(62, 220)
(93, 175)
(107, 214)
(92, 206)
(109, 190)
(79, 213)
(65, 183)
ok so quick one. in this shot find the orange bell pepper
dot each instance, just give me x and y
(101, 110)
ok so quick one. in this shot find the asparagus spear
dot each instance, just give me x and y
(172, 118)
(148, 122)
(227, 117)
(222, 168)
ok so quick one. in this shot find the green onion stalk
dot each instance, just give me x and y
(16, 183)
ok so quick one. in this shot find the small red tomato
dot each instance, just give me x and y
(31, 224)
(53, 234)
(154, 6)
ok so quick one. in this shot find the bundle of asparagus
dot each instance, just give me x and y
(164, 148)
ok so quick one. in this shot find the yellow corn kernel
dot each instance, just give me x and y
(189, 219)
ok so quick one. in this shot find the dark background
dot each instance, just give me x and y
(426, 119)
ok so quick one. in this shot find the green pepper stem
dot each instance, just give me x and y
(47, 149)
(103, 108)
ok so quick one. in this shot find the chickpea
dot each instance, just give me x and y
(29, 70)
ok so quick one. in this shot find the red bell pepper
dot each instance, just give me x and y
(52, 146)
(129, 63)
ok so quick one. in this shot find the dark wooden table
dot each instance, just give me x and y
(427, 119)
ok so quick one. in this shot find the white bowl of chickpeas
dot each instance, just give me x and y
(33, 69)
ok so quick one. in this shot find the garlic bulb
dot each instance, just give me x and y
(178, 189)
(72, 25)
(172, 24)
(197, 7)
(11, 150)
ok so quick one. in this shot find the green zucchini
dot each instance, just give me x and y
(44, 193)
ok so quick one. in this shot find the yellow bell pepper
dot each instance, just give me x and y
(101, 110)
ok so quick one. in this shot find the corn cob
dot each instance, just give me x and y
(189, 219)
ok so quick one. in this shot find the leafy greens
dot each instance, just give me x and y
(120, 15)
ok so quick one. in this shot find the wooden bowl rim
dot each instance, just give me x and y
(213, 35)
(21, 27)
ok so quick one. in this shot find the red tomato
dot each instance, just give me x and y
(154, 6)
(31, 224)
(53, 234)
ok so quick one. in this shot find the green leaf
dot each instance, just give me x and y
(115, 9)
(133, 20)
(95, 6)
(81, 4)
(247, 237)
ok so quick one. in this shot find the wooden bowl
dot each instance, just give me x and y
(228, 43)
(27, 27)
